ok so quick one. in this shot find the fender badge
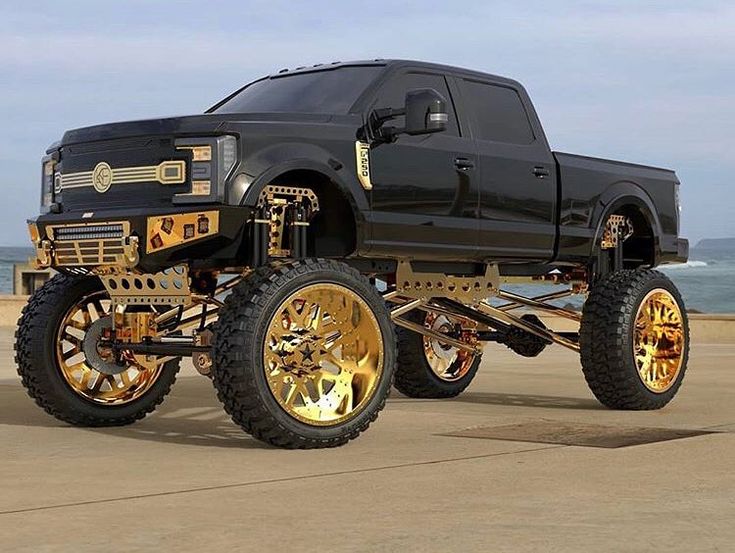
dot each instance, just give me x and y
(362, 159)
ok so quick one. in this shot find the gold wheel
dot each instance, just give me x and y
(446, 362)
(119, 382)
(659, 340)
(323, 354)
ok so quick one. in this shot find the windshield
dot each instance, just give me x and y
(332, 91)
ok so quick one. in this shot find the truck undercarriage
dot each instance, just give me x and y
(325, 351)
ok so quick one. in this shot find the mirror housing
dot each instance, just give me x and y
(426, 112)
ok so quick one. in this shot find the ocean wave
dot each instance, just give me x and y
(687, 265)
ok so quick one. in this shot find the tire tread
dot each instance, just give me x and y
(607, 317)
(233, 375)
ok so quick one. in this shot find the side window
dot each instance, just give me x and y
(497, 113)
(393, 95)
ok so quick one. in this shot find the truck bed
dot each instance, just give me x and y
(589, 184)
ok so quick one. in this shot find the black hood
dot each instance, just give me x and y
(213, 123)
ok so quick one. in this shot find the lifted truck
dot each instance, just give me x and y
(325, 232)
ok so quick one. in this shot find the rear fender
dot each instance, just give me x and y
(622, 194)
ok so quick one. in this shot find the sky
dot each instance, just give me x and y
(647, 82)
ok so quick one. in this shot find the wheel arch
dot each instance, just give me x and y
(333, 232)
(630, 199)
(282, 159)
(339, 229)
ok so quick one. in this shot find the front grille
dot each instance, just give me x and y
(88, 252)
(92, 244)
(144, 172)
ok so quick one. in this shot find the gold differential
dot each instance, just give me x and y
(659, 340)
(323, 354)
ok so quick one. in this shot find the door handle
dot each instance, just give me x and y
(464, 163)
(540, 172)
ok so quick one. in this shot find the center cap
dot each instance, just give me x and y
(302, 353)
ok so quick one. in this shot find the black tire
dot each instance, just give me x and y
(238, 371)
(414, 375)
(607, 340)
(35, 356)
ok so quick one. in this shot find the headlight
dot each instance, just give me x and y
(212, 161)
(48, 172)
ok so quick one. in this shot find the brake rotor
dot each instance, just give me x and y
(99, 357)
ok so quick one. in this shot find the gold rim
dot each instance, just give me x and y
(133, 379)
(446, 362)
(323, 354)
(659, 340)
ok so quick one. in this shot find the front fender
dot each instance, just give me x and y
(269, 163)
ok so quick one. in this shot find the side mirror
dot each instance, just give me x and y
(426, 112)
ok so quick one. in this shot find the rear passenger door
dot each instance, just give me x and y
(517, 171)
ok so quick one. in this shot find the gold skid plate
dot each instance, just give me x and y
(431, 285)
(169, 287)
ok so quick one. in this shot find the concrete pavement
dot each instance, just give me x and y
(187, 479)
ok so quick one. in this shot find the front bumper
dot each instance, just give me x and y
(147, 241)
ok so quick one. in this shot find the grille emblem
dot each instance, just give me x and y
(102, 177)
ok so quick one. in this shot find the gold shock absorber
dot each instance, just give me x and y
(618, 228)
(284, 215)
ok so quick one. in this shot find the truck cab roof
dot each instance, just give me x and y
(391, 64)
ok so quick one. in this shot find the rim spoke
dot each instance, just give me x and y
(78, 325)
(76, 350)
(296, 317)
(86, 377)
(97, 304)
(75, 341)
(292, 392)
(125, 378)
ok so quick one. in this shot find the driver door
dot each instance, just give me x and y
(425, 195)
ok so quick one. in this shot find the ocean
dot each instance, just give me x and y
(706, 286)
(706, 282)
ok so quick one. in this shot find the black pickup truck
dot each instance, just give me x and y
(325, 232)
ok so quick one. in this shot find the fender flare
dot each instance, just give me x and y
(290, 157)
(621, 194)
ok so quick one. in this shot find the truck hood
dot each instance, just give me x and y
(210, 123)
